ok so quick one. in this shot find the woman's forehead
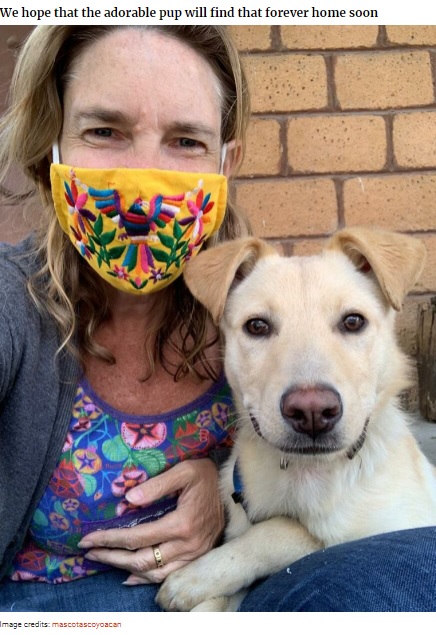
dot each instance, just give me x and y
(134, 66)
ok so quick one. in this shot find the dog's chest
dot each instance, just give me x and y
(307, 492)
(290, 492)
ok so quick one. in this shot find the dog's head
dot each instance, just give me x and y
(310, 348)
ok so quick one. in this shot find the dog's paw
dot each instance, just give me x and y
(183, 590)
(221, 604)
(214, 605)
(213, 575)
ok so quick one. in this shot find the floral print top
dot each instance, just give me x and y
(107, 452)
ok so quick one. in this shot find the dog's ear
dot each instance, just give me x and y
(396, 260)
(210, 275)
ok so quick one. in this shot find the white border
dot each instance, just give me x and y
(259, 12)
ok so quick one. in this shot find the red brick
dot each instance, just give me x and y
(329, 37)
(286, 83)
(264, 149)
(251, 38)
(412, 35)
(336, 143)
(427, 281)
(401, 202)
(279, 208)
(384, 80)
(414, 137)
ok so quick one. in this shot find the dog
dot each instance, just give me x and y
(323, 449)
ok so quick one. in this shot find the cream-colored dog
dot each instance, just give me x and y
(323, 450)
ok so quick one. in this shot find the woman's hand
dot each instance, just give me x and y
(182, 535)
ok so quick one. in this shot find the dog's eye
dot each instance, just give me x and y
(257, 327)
(353, 322)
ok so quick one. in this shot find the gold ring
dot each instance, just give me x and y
(157, 556)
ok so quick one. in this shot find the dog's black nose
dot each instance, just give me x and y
(312, 410)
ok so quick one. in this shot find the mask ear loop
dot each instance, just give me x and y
(223, 157)
(55, 153)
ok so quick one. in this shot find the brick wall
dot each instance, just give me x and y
(343, 132)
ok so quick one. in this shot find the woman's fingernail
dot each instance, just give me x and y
(132, 582)
(90, 556)
(84, 544)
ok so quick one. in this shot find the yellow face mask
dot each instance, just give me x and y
(137, 227)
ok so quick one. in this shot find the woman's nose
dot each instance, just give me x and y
(144, 155)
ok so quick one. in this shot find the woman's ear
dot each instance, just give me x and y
(233, 158)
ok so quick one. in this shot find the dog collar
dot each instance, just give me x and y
(238, 488)
(360, 441)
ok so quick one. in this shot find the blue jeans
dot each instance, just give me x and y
(390, 572)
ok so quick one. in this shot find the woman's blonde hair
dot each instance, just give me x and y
(65, 286)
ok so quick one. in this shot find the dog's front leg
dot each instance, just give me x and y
(262, 550)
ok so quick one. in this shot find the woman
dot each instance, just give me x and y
(120, 340)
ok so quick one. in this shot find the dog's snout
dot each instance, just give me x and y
(312, 411)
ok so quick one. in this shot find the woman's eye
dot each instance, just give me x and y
(353, 323)
(258, 327)
(191, 146)
(188, 143)
(102, 132)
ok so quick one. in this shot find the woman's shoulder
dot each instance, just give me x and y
(17, 264)
(20, 257)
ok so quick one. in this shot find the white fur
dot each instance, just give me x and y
(320, 499)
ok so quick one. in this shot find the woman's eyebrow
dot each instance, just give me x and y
(115, 116)
(104, 115)
(194, 129)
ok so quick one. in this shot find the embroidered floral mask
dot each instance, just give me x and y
(137, 227)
